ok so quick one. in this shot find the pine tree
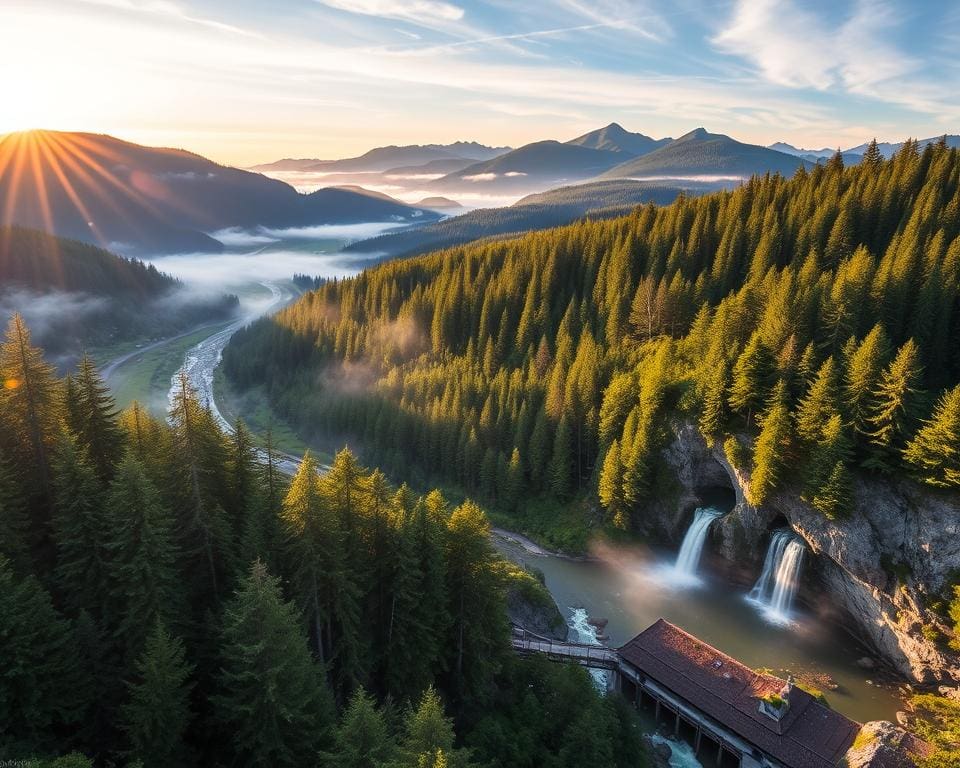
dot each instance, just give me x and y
(751, 379)
(144, 588)
(560, 469)
(476, 604)
(28, 404)
(897, 402)
(95, 410)
(610, 487)
(200, 461)
(157, 714)
(514, 481)
(819, 404)
(362, 739)
(428, 730)
(419, 615)
(713, 416)
(315, 554)
(934, 452)
(872, 158)
(771, 452)
(80, 532)
(40, 695)
(273, 704)
(834, 497)
(863, 372)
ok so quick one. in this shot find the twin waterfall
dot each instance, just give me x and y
(778, 582)
(775, 589)
(689, 558)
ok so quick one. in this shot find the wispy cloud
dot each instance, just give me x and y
(170, 10)
(416, 11)
(793, 47)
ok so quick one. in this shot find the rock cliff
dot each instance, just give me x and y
(881, 565)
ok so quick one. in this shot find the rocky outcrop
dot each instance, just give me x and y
(535, 611)
(881, 744)
(899, 547)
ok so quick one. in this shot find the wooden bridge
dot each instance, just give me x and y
(527, 643)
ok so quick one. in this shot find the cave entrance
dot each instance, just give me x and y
(720, 497)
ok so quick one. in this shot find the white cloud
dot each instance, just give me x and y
(792, 47)
(514, 173)
(480, 177)
(417, 11)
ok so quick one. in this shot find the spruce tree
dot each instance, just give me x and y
(770, 453)
(273, 704)
(819, 404)
(476, 604)
(862, 375)
(40, 698)
(934, 452)
(97, 431)
(560, 469)
(28, 407)
(751, 379)
(897, 402)
(362, 739)
(428, 730)
(144, 587)
(713, 415)
(610, 487)
(157, 714)
(81, 530)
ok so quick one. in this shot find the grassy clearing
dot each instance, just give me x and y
(146, 378)
(252, 406)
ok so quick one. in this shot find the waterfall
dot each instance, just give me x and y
(777, 585)
(689, 556)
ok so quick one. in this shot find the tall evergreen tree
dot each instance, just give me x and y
(934, 452)
(39, 693)
(898, 399)
(80, 531)
(362, 739)
(142, 558)
(273, 703)
(95, 410)
(157, 714)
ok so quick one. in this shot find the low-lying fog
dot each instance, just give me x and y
(272, 255)
(408, 188)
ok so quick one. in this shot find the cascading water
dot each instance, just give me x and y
(775, 589)
(685, 568)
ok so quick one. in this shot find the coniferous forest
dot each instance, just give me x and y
(810, 324)
(169, 598)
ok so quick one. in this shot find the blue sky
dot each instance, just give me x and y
(244, 81)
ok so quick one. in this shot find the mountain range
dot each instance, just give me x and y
(855, 154)
(137, 199)
(382, 159)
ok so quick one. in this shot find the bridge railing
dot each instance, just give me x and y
(590, 655)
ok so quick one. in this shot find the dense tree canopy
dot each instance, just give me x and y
(168, 598)
(551, 362)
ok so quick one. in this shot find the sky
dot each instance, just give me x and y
(248, 81)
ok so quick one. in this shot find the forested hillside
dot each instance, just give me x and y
(86, 296)
(815, 317)
(168, 599)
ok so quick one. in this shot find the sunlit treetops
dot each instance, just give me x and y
(833, 292)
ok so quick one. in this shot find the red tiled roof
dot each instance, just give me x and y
(809, 735)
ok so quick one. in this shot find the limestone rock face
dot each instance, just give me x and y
(899, 546)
